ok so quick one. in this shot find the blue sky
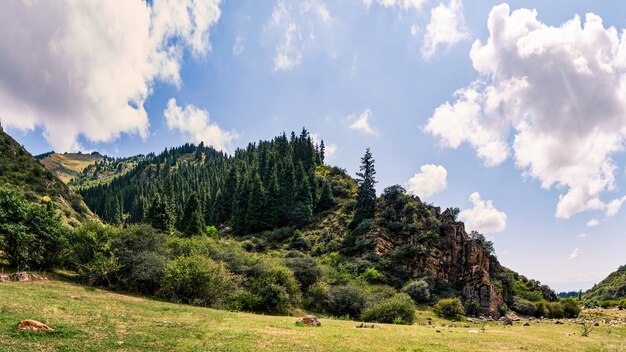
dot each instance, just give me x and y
(535, 137)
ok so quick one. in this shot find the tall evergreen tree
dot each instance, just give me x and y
(159, 215)
(366, 197)
(192, 221)
(326, 198)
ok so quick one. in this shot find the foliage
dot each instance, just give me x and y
(346, 300)
(613, 287)
(276, 288)
(449, 307)
(418, 290)
(197, 280)
(472, 308)
(31, 234)
(305, 269)
(397, 309)
(571, 309)
(366, 196)
(523, 306)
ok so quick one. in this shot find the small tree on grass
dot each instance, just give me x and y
(449, 307)
(585, 328)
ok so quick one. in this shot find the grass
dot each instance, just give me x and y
(88, 319)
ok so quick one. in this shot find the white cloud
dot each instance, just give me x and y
(86, 68)
(446, 28)
(483, 216)
(574, 254)
(405, 5)
(196, 127)
(559, 92)
(581, 235)
(361, 123)
(592, 223)
(430, 180)
(296, 28)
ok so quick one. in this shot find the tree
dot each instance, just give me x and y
(159, 215)
(326, 200)
(366, 197)
(192, 221)
(322, 152)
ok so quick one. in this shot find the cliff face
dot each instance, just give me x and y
(465, 265)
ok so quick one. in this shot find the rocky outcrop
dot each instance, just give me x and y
(22, 276)
(309, 320)
(33, 325)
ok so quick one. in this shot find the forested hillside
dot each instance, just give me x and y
(20, 170)
(609, 292)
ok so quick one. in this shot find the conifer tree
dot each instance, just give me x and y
(366, 197)
(326, 200)
(192, 220)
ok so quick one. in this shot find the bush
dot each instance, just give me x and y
(276, 288)
(418, 290)
(622, 304)
(319, 296)
(346, 300)
(523, 306)
(371, 275)
(397, 309)
(305, 269)
(449, 307)
(570, 308)
(31, 235)
(472, 308)
(555, 310)
(197, 280)
(609, 303)
(541, 309)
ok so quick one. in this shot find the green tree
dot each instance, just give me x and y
(159, 214)
(192, 221)
(366, 196)
(326, 200)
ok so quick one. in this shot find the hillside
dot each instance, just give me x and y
(87, 319)
(20, 170)
(79, 170)
(612, 288)
(68, 165)
(279, 195)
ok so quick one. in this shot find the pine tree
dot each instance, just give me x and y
(322, 152)
(192, 220)
(159, 215)
(366, 197)
(255, 215)
(326, 200)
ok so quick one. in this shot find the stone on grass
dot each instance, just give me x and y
(33, 325)
(309, 320)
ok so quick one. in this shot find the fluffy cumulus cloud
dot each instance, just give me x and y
(574, 254)
(553, 98)
(86, 67)
(416, 5)
(592, 223)
(330, 149)
(362, 123)
(195, 125)
(296, 27)
(430, 180)
(483, 216)
(446, 28)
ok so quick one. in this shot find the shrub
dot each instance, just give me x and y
(141, 256)
(346, 300)
(555, 310)
(277, 289)
(305, 269)
(397, 309)
(90, 252)
(449, 307)
(375, 294)
(523, 306)
(319, 296)
(609, 303)
(570, 308)
(197, 280)
(541, 310)
(622, 304)
(31, 235)
(371, 275)
(418, 290)
(472, 308)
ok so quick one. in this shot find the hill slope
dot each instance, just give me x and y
(69, 165)
(88, 319)
(611, 288)
(20, 170)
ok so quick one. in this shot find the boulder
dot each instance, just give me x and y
(526, 324)
(34, 325)
(4, 278)
(23, 276)
(506, 321)
(309, 320)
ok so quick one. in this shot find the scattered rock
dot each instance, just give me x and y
(596, 324)
(438, 330)
(526, 324)
(75, 297)
(23, 276)
(473, 331)
(558, 322)
(506, 321)
(309, 320)
(4, 278)
(33, 325)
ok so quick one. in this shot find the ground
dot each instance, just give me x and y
(88, 319)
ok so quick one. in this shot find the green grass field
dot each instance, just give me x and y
(88, 319)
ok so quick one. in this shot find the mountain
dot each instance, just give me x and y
(612, 288)
(20, 170)
(86, 169)
(280, 195)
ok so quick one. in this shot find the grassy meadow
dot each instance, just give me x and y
(88, 319)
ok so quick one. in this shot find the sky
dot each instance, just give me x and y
(514, 112)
